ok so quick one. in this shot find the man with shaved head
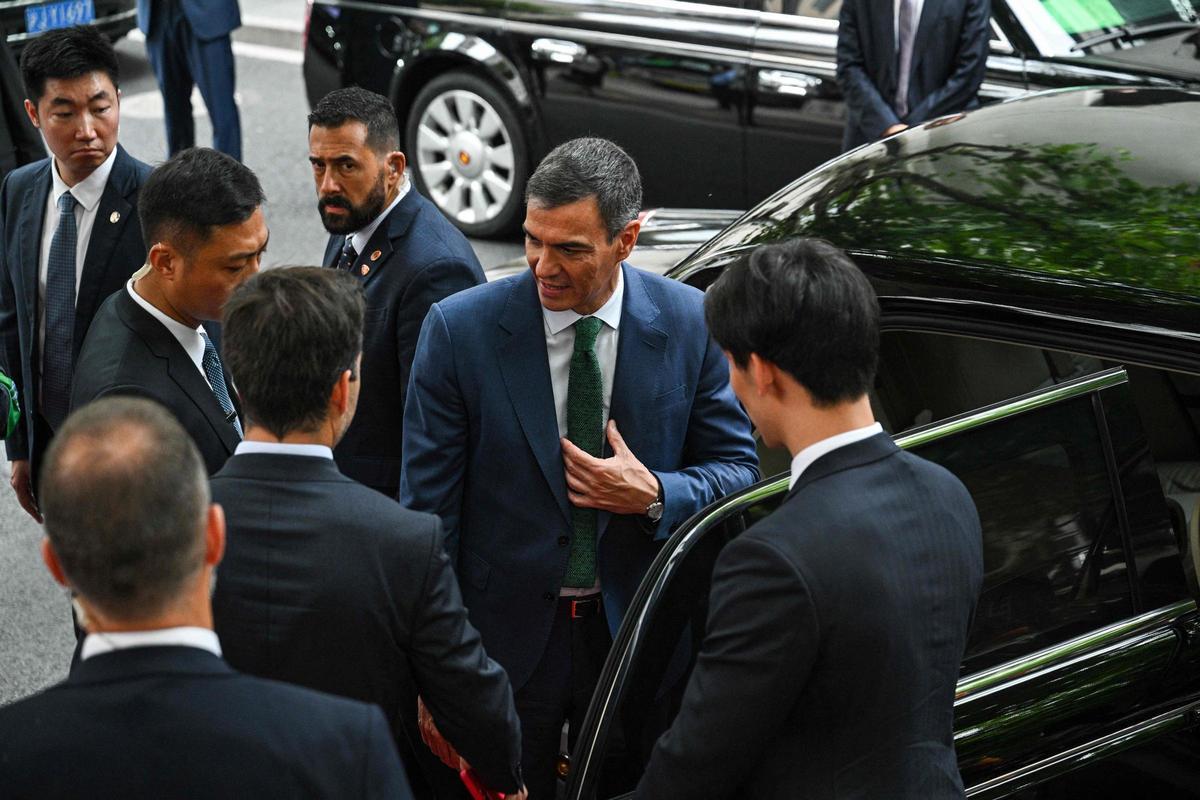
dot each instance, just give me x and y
(152, 710)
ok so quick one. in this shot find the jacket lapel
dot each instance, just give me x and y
(521, 355)
(850, 456)
(180, 367)
(394, 227)
(885, 37)
(112, 215)
(930, 10)
(33, 214)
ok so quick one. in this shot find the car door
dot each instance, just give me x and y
(796, 113)
(665, 80)
(1063, 665)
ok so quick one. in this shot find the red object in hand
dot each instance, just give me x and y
(476, 788)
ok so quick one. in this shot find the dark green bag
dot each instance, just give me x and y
(10, 410)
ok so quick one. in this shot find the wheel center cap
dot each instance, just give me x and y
(467, 154)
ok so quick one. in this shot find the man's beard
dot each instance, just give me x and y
(360, 216)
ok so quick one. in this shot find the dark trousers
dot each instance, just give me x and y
(560, 689)
(180, 60)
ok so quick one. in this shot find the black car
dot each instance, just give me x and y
(720, 103)
(21, 20)
(1037, 264)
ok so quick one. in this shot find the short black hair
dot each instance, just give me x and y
(355, 104)
(589, 167)
(288, 335)
(192, 193)
(804, 306)
(125, 497)
(67, 53)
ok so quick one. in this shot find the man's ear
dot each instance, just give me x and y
(627, 238)
(162, 259)
(31, 110)
(396, 162)
(214, 535)
(52, 563)
(339, 397)
(764, 373)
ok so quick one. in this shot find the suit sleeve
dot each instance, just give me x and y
(435, 431)
(383, 774)
(761, 642)
(434, 283)
(862, 96)
(17, 445)
(467, 693)
(719, 449)
(970, 64)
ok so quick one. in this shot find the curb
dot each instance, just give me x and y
(270, 31)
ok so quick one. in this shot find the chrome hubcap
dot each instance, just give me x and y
(465, 156)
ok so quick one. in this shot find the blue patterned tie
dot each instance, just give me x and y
(585, 429)
(216, 379)
(349, 256)
(59, 309)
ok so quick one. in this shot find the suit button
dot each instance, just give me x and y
(563, 541)
(548, 597)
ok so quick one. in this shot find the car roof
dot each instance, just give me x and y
(1055, 201)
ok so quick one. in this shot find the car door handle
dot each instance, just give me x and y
(558, 51)
(790, 84)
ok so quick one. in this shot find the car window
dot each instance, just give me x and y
(1057, 25)
(1053, 516)
(822, 9)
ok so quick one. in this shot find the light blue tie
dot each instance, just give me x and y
(60, 315)
(216, 378)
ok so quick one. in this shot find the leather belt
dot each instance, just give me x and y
(584, 607)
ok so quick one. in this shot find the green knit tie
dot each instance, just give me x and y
(585, 429)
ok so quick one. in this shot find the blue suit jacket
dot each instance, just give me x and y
(154, 722)
(481, 448)
(949, 60)
(210, 19)
(835, 631)
(115, 251)
(422, 259)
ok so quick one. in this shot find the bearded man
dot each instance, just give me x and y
(405, 253)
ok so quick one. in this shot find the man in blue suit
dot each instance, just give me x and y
(836, 624)
(562, 423)
(152, 710)
(187, 42)
(902, 62)
(404, 252)
(70, 233)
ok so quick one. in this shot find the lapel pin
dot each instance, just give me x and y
(114, 217)
(375, 256)
(365, 269)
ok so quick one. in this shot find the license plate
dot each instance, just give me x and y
(40, 19)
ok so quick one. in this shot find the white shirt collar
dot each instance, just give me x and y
(99, 643)
(805, 458)
(361, 238)
(284, 449)
(89, 190)
(609, 313)
(191, 339)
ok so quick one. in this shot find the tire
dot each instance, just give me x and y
(468, 153)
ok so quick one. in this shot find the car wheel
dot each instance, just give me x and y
(468, 153)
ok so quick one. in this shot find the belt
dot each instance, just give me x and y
(584, 607)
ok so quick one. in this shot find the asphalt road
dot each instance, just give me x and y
(35, 629)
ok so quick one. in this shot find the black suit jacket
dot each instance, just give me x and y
(413, 260)
(331, 585)
(948, 64)
(835, 631)
(158, 722)
(129, 352)
(115, 251)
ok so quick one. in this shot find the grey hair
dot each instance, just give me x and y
(584, 168)
(125, 498)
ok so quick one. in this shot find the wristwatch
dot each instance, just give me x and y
(654, 511)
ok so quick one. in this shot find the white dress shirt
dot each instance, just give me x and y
(920, 4)
(87, 194)
(284, 449)
(361, 238)
(190, 339)
(95, 644)
(560, 346)
(805, 458)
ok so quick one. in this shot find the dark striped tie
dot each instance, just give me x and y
(349, 256)
(904, 42)
(60, 315)
(585, 429)
(216, 379)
